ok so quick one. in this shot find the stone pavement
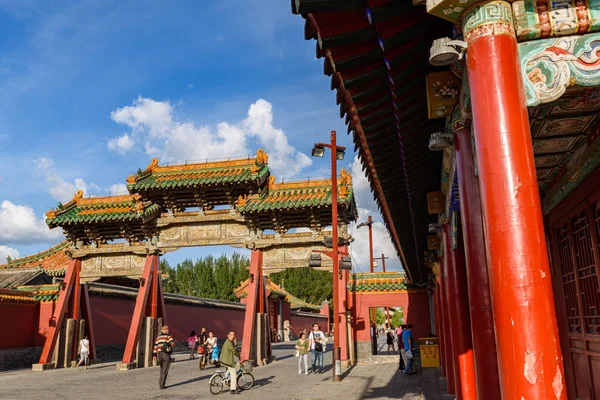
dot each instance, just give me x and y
(279, 380)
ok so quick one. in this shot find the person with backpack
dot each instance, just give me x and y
(163, 348)
(192, 340)
(317, 341)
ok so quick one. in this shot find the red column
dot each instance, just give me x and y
(439, 327)
(343, 307)
(530, 360)
(482, 319)
(447, 336)
(460, 322)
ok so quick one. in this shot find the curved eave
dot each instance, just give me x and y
(378, 71)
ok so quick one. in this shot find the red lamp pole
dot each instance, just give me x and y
(337, 363)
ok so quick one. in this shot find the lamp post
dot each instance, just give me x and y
(369, 223)
(337, 153)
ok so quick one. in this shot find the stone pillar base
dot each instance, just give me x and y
(126, 366)
(43, 367)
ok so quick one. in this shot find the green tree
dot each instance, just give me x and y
(310, 285)
(398, 318)
(380, 317)
(207, 277)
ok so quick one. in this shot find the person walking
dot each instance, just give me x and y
(408, 349)
(228, 354)
(192, 340)
(302, 349)
(316, 341)
(401, 367)
(84, 352)
(390, 340)
(163, 347)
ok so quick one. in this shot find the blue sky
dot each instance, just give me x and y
(90, 91)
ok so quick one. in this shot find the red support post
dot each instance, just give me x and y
(447, 336)
(59, 312)
(343, 324)
(155, 286)
(76, 311)
(482, 319)
(460, 322)
(138, 311)
(439, 327)
(251, 304)
(529, 354)
(337, 365)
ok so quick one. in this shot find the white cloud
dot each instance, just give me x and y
(5, 252)
(21, 226)
(60, 189)
(176, 141)
(382, 243)
(121, 144)
(117, 189)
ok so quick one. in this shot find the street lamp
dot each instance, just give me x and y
(337, 153)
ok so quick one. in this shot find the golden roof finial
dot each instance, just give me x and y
(272, 180)
(51, 214)
(152, 166)
(78, 195)
(131, 179)
(345, 182)
(261, 157)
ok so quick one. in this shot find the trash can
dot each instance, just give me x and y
(430, 352)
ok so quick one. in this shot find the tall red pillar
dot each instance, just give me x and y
(529, 355)
(460, 321)
(447, 336)
(482, 319)
(439, 324)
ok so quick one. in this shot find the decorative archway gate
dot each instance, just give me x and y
(230, 202)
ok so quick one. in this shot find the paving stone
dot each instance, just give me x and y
(279, 380)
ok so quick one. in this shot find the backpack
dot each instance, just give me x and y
(166, 348)
(318, 346)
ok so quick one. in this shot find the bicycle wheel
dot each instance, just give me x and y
(245, 381)
(202, 362)
(216, 384)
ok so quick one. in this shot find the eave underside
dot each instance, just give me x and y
(385, 106)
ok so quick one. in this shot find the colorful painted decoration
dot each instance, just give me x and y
(450, 10)
(435, 202)
(550, 66)
(433, 242)
(443, 89)
(540, 19)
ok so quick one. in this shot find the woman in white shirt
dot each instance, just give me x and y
(84, 352)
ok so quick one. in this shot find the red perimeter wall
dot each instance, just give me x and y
(300, 322)
(19, 322)
(112, 317)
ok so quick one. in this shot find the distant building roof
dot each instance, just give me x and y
(53, 261)
(273, 288)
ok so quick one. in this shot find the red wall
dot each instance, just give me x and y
(19, 325)
(301, 322)
(112, 318)
(415, 306)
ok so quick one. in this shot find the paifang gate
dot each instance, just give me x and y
(231, 202)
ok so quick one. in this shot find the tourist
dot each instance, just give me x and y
(400, 346)
(192, 340)
(390, 340)
(163, 347)
(302, 353)
(228, 354)
(407, 355)
(211, 347)
(84, 352)
(316, 341)
(202, 337)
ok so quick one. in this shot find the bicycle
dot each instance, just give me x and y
(221, 378)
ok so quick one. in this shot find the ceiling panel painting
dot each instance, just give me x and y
(548, 161)
(554, 145)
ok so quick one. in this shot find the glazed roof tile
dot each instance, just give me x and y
(295, 302)
(10, 278)
(101, 210)
(16, 296)
(298, 195)
(229, 172)
(53, 261)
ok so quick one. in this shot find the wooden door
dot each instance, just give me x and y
(575, 239)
